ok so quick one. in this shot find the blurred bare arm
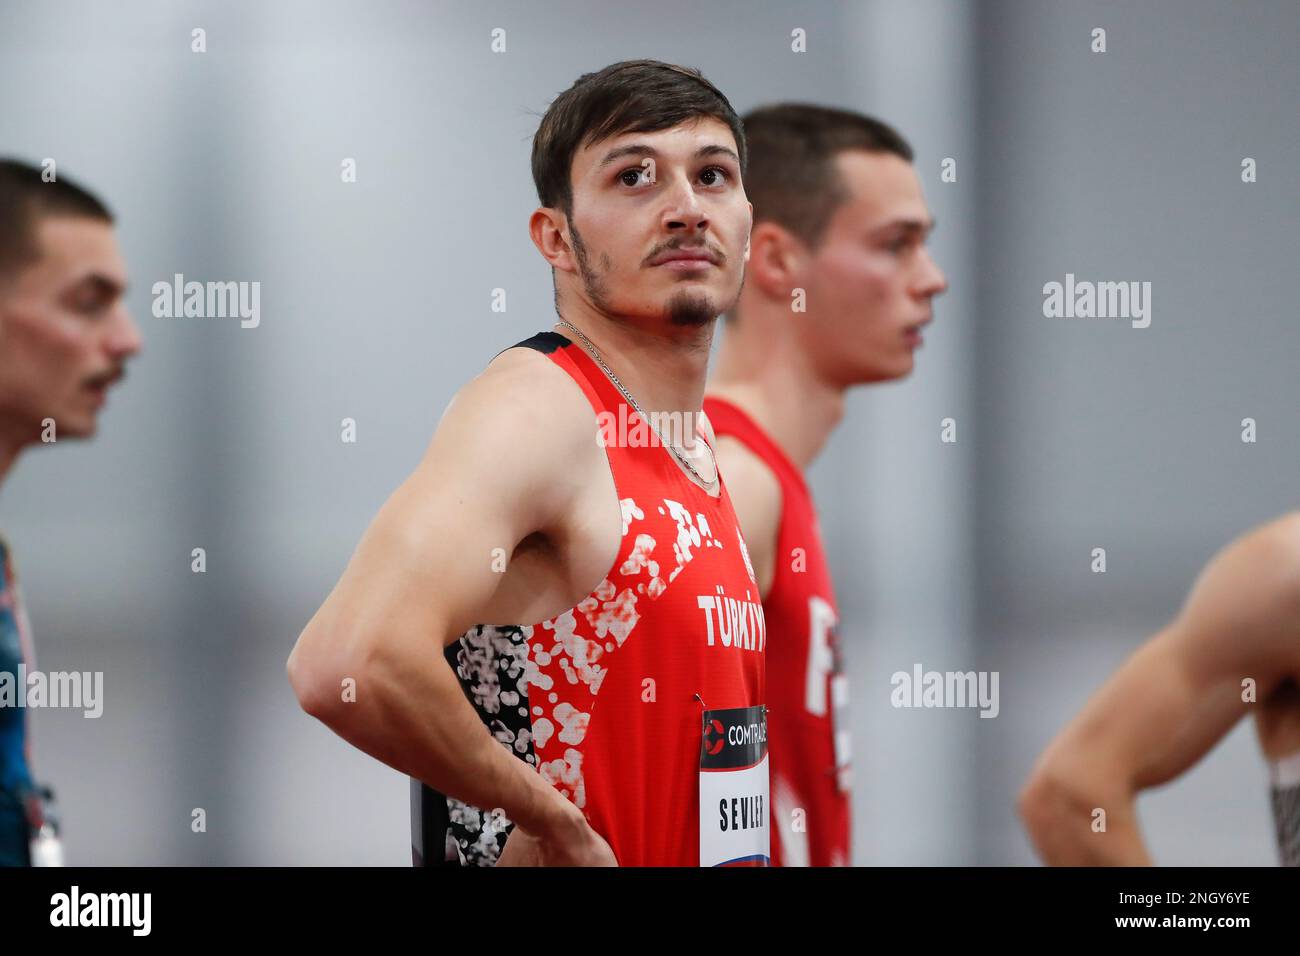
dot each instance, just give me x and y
(1170, 703)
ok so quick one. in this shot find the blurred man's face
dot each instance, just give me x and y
(664, 241)
(65, 335)
(871, 280)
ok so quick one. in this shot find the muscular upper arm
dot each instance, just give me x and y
(756, 496)
(428, 565)
(1179, 693)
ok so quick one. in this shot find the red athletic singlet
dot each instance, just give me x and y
(807, 694)
(643, 704)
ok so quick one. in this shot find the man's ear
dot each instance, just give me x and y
(750, 234)
(548, 228)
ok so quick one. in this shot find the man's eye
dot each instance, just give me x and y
(91, 304)
(717, 170)
(640, 176)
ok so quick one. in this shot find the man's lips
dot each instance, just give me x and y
(101, 383)
(685, 258)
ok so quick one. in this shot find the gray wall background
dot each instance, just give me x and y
(376, 306)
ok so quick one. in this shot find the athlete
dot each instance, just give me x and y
(1233, 650)
(65, 338)
(838, 287)
(554, 618)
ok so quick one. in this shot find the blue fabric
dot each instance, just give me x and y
(14, 848)
(14, 774)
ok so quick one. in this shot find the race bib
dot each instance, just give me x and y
(734, 788)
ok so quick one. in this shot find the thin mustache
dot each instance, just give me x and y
(108, 378)
(719, 257)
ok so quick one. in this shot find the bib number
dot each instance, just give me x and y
(734, 810)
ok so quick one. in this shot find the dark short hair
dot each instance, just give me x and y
(25, 199)
(634, 96)
(792, 178)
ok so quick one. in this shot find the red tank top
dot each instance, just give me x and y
(644, 702)
(807, 693)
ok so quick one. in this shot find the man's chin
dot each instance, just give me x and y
(892, 372)
(692, 309)
(72, 427)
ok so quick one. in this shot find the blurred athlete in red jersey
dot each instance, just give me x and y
(838, 288)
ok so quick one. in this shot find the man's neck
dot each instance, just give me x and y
(663, 369)
(785, 397)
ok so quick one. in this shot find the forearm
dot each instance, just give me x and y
(408, 710)
(1075, 827)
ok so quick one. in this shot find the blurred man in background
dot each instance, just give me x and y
(65, 337)
(838, 287)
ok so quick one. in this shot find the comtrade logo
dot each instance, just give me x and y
(733, 738)
(715, 737)
(747, 735)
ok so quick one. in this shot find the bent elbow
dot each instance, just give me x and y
(309, 670)
(1034, 803)
(1055, 805)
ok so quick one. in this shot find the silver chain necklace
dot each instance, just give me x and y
(595, 354)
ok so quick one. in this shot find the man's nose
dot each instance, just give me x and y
(684, 211)
(124, 339)
(932, 281)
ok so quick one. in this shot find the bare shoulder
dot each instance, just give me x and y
(1245, 605)
(747, 474)
(1262, 566)
(513, 438)
(520, 378)
(750, 481)
(756, 495)
(524, 402)
(1273, 548)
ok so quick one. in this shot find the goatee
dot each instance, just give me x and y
(691, 309)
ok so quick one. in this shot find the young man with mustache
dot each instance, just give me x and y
(554, 617)
(65, 338)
